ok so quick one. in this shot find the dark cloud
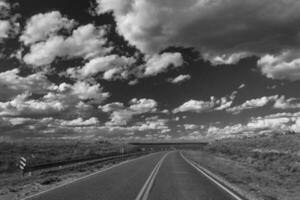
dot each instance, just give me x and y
(224, 31)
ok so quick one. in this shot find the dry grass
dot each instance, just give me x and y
(37, 153)
(14, 186)
(265, 167)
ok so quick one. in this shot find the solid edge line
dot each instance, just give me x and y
(84, 177)
(198, 168)
(148, 184)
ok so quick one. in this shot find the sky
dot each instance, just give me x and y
(148, 70)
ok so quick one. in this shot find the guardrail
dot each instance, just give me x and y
(90, 160)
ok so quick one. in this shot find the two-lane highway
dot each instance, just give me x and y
(159, 176)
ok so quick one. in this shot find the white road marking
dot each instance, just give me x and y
(144, 192)
(205, 173)
(84, 177)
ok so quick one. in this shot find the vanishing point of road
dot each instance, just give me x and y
(157, 176)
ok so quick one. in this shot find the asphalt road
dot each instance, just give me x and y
(159, 176)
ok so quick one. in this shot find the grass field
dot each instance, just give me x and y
(38, 153)
(14, 186)
(264, 167)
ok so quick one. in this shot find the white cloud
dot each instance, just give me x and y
(283, 66)
(254, 27)
(112, 107)
(22, 105)
(190, 126)
(279, 122)
(269, 123)
(81, 122)
(179, 79)
(111, 65)
(143, 105)
(86, 41)
(121, 115)
(226, 59)
(253, 103)
(42, 26)
(242, 86)
(290, 103)
(9, 26)
(276, 101)
(11, 84)
(225, 102)
(154, 124)
(4, 28)
(121, 67)
(195, 106)
(4, 8)
(156, 64)
(87, 91)
(62, 101)
(296, 126)
(80, 90)
(200, 106)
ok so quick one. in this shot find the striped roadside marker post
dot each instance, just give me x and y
(22, 164)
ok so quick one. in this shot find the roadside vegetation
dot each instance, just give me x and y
(266, 167)
(14, 186)
(46, 152)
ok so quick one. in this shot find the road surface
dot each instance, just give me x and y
(159, 176)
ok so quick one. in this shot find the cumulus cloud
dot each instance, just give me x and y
(86, 41)
(154, 25)
(253, 27)
(121, 67)
(63, 101)
(153, 123)
(22, 105)
(111, 65)
(112, 107)
(4, 28)
(284, 103)
(12, 84)
(233, 58)
(143, 105)
(283, 66)
(81, 122)
(195, 106)
(179, 79)
(296, 126)
(269, 123)
(255, 126)
(276, 101)
(253, 103)
(200, 106)
(150, 123)
(80, 90)
(44, 25)
(121, 115)
(190, 126)
(160, 62)
(8, 22)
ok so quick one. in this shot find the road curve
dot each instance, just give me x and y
(159, 176)
(118, 183)
(178, 180)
